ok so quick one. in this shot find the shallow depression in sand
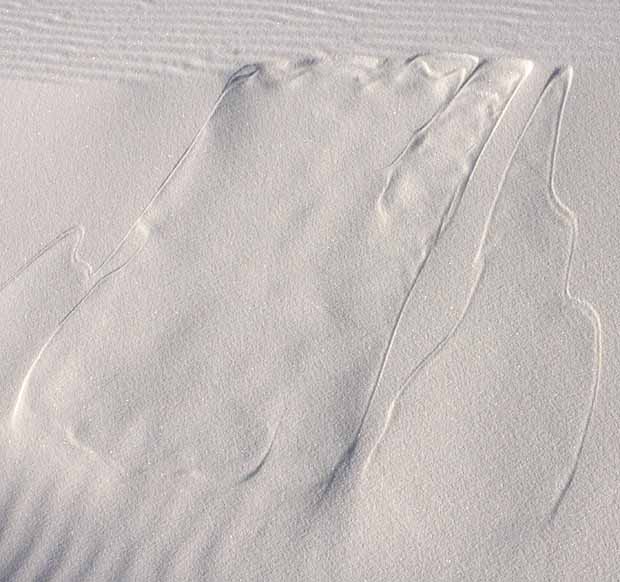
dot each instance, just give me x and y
(319, 294)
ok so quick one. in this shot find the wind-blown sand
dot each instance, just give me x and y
(317, 319)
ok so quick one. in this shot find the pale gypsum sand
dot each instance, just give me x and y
(322, 351)
(73, 40)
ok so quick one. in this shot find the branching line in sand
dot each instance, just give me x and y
(445, 220)
(140, 223)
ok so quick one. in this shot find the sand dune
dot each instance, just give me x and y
(325, 317)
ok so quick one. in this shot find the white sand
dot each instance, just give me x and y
(337, 318)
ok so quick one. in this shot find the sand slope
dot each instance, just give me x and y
(338, 335)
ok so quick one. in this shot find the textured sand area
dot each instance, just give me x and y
(143, 39)
(325, 318)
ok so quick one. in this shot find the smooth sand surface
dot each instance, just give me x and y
(325, 318)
